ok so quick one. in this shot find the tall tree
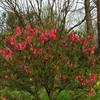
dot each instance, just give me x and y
(98, 21)
(89, 26)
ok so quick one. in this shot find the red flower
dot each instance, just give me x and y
(78, 78)
(28, 39)
(84, 51)
(3, 98)
(88, 37)
(11, 41)
(91, 50)
(77, 39)
(64, 42)
(21, 46)
(72, 36)
(34, 52)
(30, 30)
(6, 53)
(43, 37)
(85, 82)
(52, 34)
(93, 76)
(91, 91)
(18, 31)
(84, 43)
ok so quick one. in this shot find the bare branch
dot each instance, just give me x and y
(79, 23)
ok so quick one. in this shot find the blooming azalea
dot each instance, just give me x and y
(72, 36)
(28, 39)
(77, 39)
(89, 37)
(43, 37)
(78, 78)
(18, 31)
(93, 77)
(21, 46)
(91, 92)
(85, 82)
(52, 34)
(84, 43)
(34, 52)
(64, 42)
(84, 51)
(11, 41)
(30, 30)
(91, 50)
(6, 53)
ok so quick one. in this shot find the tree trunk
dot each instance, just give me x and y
(89, 26)
(98, 21)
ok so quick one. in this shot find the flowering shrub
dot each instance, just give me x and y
(30, 57)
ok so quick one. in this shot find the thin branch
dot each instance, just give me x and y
(76, 25)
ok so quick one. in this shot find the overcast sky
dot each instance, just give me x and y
(73, 17)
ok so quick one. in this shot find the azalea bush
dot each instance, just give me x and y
(31, 59)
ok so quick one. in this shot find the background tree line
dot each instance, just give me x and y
(52, 13)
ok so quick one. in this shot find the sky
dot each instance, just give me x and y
(73, 17)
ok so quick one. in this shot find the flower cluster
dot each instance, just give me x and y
(85, 44)
(46, 35)
(6, 53)
(40, 54)
(92, 78)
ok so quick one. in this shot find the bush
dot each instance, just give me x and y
(50, 60)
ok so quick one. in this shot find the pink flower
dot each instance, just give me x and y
(6, 53)
(21, 46)
(30, 30)
(84, 51)
(28, 39)
(72, 36)
(43, 37)
(34, 52)
(52, 34)
(77, 39)
(78, 78)
(85, 82)
(93, 76)
(18, 31)
(91, 91)
(84, 43)
(64, 42)
(11, 41)
(3, 98)
(88, 37)
(91, 50)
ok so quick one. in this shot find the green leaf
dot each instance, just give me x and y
(64, 95)
(43, 94)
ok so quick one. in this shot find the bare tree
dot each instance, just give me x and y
(88, 17)
(32, 12)
(98, 21)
